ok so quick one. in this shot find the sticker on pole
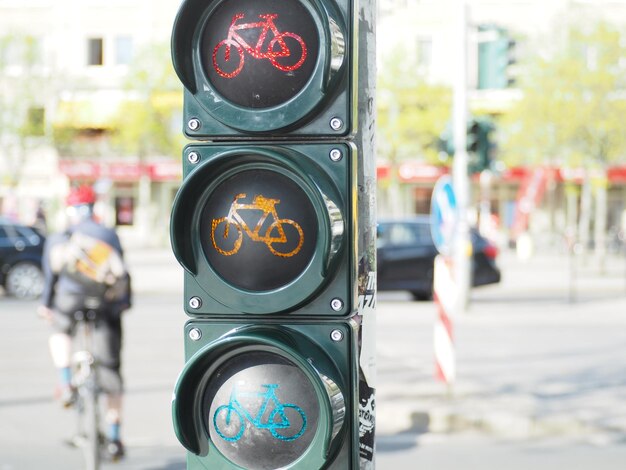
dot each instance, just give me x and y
(443, 215)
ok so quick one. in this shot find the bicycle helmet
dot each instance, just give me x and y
(81, 195)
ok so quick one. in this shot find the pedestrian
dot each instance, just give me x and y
(40, 219)
(104, 289)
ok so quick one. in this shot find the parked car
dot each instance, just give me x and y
(406, 257)
(21, 249)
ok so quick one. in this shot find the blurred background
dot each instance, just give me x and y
(88, 95)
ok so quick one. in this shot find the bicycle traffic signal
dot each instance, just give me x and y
(262, 67)
(267, 396)
(265, 227)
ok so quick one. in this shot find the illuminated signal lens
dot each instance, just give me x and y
(259, 230)
(259, 54)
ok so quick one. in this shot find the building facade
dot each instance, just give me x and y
(64, 68)
(427, 30)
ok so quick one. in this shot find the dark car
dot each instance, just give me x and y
(21, 249)
(406, 257)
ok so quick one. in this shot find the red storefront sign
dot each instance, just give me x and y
(120, 171)
(79, 170)
(617, 174)
(165, 171)
(417, 172)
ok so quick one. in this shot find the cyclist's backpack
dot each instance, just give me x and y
(94, 264)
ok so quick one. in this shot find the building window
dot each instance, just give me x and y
(123, 50)
(95, 51)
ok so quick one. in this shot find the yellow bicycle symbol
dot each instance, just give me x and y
(274, 237)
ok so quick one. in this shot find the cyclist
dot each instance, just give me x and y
(64, 295)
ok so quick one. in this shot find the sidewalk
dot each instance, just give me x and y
(541, 354)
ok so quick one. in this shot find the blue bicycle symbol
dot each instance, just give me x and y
(278, 423)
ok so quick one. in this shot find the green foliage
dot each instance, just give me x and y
(149, 122)
(22, 118)
(21, 103)
(573, 105)
(412, 114)
(63, 138)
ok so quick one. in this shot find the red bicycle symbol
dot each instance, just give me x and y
(277, 52)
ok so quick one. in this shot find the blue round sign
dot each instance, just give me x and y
(443, 215)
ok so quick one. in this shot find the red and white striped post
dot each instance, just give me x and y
(445, 293)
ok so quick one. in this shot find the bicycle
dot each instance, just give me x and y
(85, 382)
(277, 49)
(234, 221)
(278, 423)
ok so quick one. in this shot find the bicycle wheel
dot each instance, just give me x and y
(228, 64)
(290, 56)
(91, 417)
(228, 423)
(290, 424)
(226, 236)
(290, 244)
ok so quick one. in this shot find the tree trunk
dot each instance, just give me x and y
(571, 195)
(600, 185)
(584, 223)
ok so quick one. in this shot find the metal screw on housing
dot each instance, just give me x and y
(195, 334)
(336, 335)
(193, 157)
(195, 302)
(336, 123)
(336, 155)
(336, 304)
(194, 124)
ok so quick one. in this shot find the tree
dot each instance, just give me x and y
(412, 115)
(572, 113)
(148, 123)
(22, 91)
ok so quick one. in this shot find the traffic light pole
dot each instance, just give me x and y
(462, 246)
(366, 245)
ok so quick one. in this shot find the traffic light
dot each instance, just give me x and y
(264, 228)
(266, 67)
(496, 55)
(267, 396)
(474, 136)
(480, 144)
(265, 225)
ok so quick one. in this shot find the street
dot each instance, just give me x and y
(541, 380)
(34, 427)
